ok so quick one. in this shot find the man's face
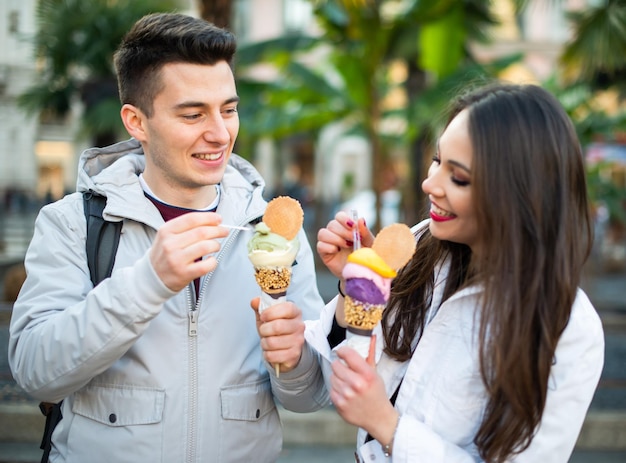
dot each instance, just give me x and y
(191, 134)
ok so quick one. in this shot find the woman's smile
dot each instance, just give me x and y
(440, 215)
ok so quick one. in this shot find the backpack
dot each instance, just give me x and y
(101, 245)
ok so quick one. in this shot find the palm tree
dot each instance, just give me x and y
(75, 42)
(360, 42)
(218, 12)
(597, 51)
(594, 62)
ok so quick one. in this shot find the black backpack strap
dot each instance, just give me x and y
(53, 415)
(102, 241)
(102, 238)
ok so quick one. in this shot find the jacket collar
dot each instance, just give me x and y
(113, 171)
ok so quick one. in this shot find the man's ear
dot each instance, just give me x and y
(133, 119)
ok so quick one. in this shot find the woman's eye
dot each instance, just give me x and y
(436, 159)
(460, 182)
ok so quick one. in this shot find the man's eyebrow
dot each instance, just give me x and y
(200, 104)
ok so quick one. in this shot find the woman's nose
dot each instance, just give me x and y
(431, 185)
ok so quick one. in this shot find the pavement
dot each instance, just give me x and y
(322, 437)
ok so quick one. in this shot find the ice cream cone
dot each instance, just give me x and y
(273, 249)
(274, 282)
(361, 318)
(361, 315)
(368, 275)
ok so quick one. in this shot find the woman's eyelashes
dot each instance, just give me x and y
(460, 182)
(456, 179)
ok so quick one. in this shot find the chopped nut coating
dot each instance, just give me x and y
(362, 315)
(273, 279)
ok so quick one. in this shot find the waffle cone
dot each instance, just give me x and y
(273, 280)
(362, 315)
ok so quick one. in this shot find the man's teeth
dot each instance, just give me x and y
(208, 156)
(441, 212)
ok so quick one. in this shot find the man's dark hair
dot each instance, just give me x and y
(161, 38)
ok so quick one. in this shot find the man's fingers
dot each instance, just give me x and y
(193, 220)
(190, 229)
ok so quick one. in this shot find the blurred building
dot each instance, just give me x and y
(39, 154)
(18, 132)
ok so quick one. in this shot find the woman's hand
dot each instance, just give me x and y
(335, 242)
(358, 393)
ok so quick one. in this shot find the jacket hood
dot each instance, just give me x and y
(94, 161)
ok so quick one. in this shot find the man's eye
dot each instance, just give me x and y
(191, 116)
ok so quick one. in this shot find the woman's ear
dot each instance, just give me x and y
(133, 119)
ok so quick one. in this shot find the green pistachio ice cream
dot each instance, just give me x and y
(267, 249)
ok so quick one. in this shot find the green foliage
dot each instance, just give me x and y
(595, 59)
(75, 42)
(592, 124)
(426, 110)
(359, 42)
(441, 43)
(344, 75)
(598, 46)
(103, 118)
(603, 190)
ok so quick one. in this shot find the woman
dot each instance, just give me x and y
(490, 351)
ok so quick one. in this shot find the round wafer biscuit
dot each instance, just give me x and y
(284, 216)
(395, 244)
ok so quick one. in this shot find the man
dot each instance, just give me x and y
(162, 361)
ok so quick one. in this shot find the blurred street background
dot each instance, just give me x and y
(340, 105)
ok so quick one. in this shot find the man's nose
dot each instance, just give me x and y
(216, 131)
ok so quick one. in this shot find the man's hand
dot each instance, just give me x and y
(183, 248)
(281, 330)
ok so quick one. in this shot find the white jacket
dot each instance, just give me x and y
(137, 386)
(442, 397)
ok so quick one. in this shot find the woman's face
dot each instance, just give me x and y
(452, 213)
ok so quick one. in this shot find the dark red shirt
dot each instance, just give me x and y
(171, 212)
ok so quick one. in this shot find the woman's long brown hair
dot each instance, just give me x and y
(528, 185)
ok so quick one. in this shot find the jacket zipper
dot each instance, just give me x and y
(222, 252)
(193, 349)
(193, 376)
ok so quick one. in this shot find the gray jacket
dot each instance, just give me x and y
(137, 385)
